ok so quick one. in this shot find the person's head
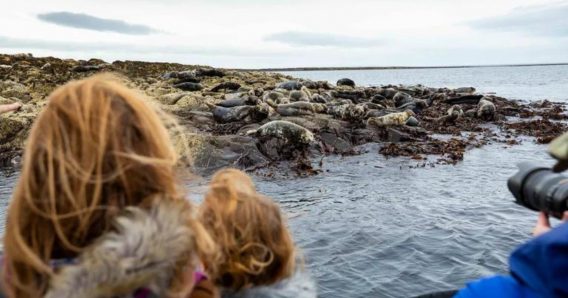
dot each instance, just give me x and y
(95, 149)
(255, 245)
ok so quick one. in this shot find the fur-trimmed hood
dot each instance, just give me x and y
(141, 252)
(299, 285)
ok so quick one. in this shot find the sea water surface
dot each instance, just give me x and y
(375, 227)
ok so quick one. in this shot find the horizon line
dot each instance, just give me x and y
(335, 68)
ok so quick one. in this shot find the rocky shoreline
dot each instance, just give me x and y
(266, 122)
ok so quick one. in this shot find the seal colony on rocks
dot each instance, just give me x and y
(218, 109)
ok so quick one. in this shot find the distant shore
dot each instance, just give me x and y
(391, 67)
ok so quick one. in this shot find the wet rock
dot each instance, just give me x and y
(226, 86)
(188, 86)
(412, 121)
(290, 85)
(334, 144)
(346, 82)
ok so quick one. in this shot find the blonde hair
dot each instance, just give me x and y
(95, 149)
(255, 245)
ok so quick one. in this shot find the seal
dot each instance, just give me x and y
(455, 111)
(226, 86)
(299, 108)
(464, 90)
(300, 95)
(377, 98)
(394, 119)
(389, 93)
(356, 96)
(246, 114)
(182, 76)
(290, 85)
(486, 109)
(189, 86)
(346, 82)
(282, 139)
(318, 98)
(246, 100)
(416, 105)
(274, 97)
(372, 106)
(402, 98)
(347, 112)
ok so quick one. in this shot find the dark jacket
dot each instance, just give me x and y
(539, 268)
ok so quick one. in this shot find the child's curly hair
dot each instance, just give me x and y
(255, 245)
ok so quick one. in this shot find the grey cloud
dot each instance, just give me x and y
(298, 38)
(85, 21)
(549, 20)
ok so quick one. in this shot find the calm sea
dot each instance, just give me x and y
(374, 227)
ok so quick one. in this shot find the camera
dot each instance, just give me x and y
(540, 188)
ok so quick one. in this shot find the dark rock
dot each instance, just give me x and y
(334, 144)
(412, 121)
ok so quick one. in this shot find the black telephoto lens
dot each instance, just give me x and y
(539, 188)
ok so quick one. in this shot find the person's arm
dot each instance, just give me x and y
(9, 107)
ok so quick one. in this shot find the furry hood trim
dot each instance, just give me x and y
(140, 252)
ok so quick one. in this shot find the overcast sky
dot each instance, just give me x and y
(293, 33)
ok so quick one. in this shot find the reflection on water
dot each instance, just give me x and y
(371, 226)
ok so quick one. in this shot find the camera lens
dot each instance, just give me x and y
(539, 188)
